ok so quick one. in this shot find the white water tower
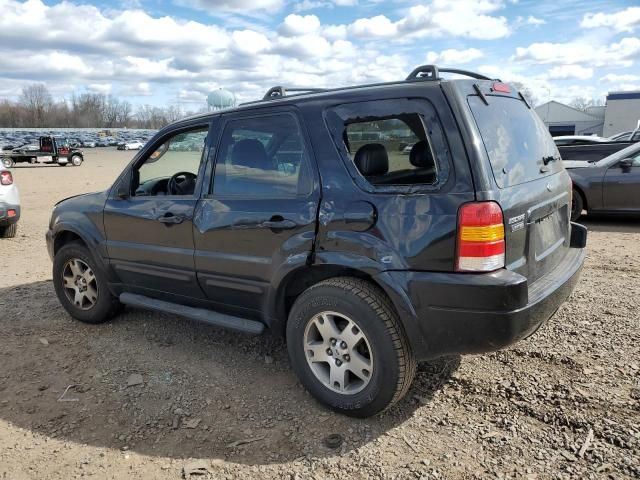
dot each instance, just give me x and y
(220, 99)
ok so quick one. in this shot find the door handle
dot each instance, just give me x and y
(170, 218)
(279, 223)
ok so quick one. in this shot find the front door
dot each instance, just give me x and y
(621, 186)
(260, 215)
(149, 229)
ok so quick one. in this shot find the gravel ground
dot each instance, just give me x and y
(160, 397)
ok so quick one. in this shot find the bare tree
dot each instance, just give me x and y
(37, 101)
(582, 103)
(527, 93)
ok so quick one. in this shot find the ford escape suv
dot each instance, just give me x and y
(374, 226)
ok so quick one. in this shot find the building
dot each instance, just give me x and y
(565, 120)
(622, 112)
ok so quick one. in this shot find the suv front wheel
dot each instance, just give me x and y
(81, 287)
(348, 348)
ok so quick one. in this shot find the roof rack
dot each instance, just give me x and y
(280, 91)
(431, 72)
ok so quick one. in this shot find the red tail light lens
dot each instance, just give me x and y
(481, 246)
(6, 178)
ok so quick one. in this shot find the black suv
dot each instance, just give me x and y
(375, 226)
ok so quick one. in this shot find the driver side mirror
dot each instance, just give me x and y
(123, 191)
(626, 163)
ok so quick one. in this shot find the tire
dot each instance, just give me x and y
(383, 347)
(104, 307)
(76, 160)
(126, 148)
(577, 205)
(8, 162)
(9, 231)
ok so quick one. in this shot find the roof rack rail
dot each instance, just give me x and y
(431, 72)
(280, 91)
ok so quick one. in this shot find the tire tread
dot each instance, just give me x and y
(382, 306)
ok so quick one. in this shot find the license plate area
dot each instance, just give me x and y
(549, 234)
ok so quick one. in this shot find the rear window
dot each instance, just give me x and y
(516, 140)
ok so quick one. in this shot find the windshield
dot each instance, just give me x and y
(516, 140)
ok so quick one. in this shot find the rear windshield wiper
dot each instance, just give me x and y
(549, 159)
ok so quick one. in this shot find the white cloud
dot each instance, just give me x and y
(103, 88)
(378, 26)
(619, 54)
(564, 72)
(240, 6)
(614, 78)
(461, 18)
(299, 25)
(622, 21)
(531, 20)
(454, 57)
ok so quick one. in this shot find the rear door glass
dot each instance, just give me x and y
(516, 140)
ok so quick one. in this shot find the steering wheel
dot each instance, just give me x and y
(182, 183)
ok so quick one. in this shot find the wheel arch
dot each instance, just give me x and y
(64, 237)
(302, 278)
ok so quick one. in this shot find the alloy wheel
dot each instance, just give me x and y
(338, 353)
(80, 284)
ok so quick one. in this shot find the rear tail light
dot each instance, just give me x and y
(11, 213)
(6, 178)
(481, 246)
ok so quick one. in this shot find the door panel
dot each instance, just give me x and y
(150, 254)
(237, 252)
(262, 212)
(621, 188)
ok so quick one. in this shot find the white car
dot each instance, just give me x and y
(135, 145)
(578, 140)
(9, 204)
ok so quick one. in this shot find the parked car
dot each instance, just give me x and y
(591, 151)
(630, 136)
(578, 140)
(9, 204)
(610, 185)
(134, 145)
(368, 264)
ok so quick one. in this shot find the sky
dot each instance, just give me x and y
(175, 52)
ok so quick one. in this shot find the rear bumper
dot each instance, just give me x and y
(5, 219)
(453, 313)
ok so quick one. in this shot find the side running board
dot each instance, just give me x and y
(199, 314)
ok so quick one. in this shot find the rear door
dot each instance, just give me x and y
(533, 188)
(259, 217)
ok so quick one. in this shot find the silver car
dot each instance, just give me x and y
(9, 204)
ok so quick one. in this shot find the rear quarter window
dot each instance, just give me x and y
(515, 139)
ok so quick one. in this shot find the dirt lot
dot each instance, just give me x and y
(562, 404)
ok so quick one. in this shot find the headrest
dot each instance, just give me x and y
(250, 153)
(372, 160)
(420, 155)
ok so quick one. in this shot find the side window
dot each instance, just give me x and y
(172, 169)
(262, 157)
(636, 160)
(392, 150)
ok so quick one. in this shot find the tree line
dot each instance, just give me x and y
(36, 108)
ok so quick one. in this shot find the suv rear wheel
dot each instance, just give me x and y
(348, 348)
(81, 287)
